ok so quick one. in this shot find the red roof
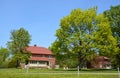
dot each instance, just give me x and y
(102, 57)
(38, 50)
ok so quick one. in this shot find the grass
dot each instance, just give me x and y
(45, 73)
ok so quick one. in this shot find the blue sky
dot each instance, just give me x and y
(41, 17)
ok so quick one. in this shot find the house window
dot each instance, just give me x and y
(49, 56)
(33, 62)
(42, 62)
(43, 56)
(40, 55)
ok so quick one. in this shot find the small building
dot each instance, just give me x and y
(41, 57)
(101, 62)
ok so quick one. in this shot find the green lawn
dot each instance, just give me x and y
(44, 73)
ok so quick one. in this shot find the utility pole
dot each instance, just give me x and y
(118, 72)
(78, 71)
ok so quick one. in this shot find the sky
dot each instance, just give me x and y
(41, 18)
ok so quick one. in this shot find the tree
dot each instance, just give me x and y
(82, 35)
(114, 18)
(4, 54)
(20, 39)
(64, 59)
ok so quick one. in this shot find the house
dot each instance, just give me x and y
(101, 62)
(41, 57)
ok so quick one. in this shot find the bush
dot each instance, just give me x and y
(12, 63)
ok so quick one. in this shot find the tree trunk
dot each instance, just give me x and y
(80, 60)
(17, 63)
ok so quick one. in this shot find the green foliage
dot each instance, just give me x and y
(11, 63)
(114, 18)
(4, 54)
(82, 34)
(20, 39)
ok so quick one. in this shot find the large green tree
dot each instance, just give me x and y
(20, 39)
(114, 18)
(83, 35)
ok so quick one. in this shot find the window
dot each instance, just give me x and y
(49, 56)
(33, 62)
(36, 55)
(42, 62)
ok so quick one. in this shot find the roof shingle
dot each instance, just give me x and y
(38, 50)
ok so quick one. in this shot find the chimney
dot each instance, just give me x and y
(35, 45)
